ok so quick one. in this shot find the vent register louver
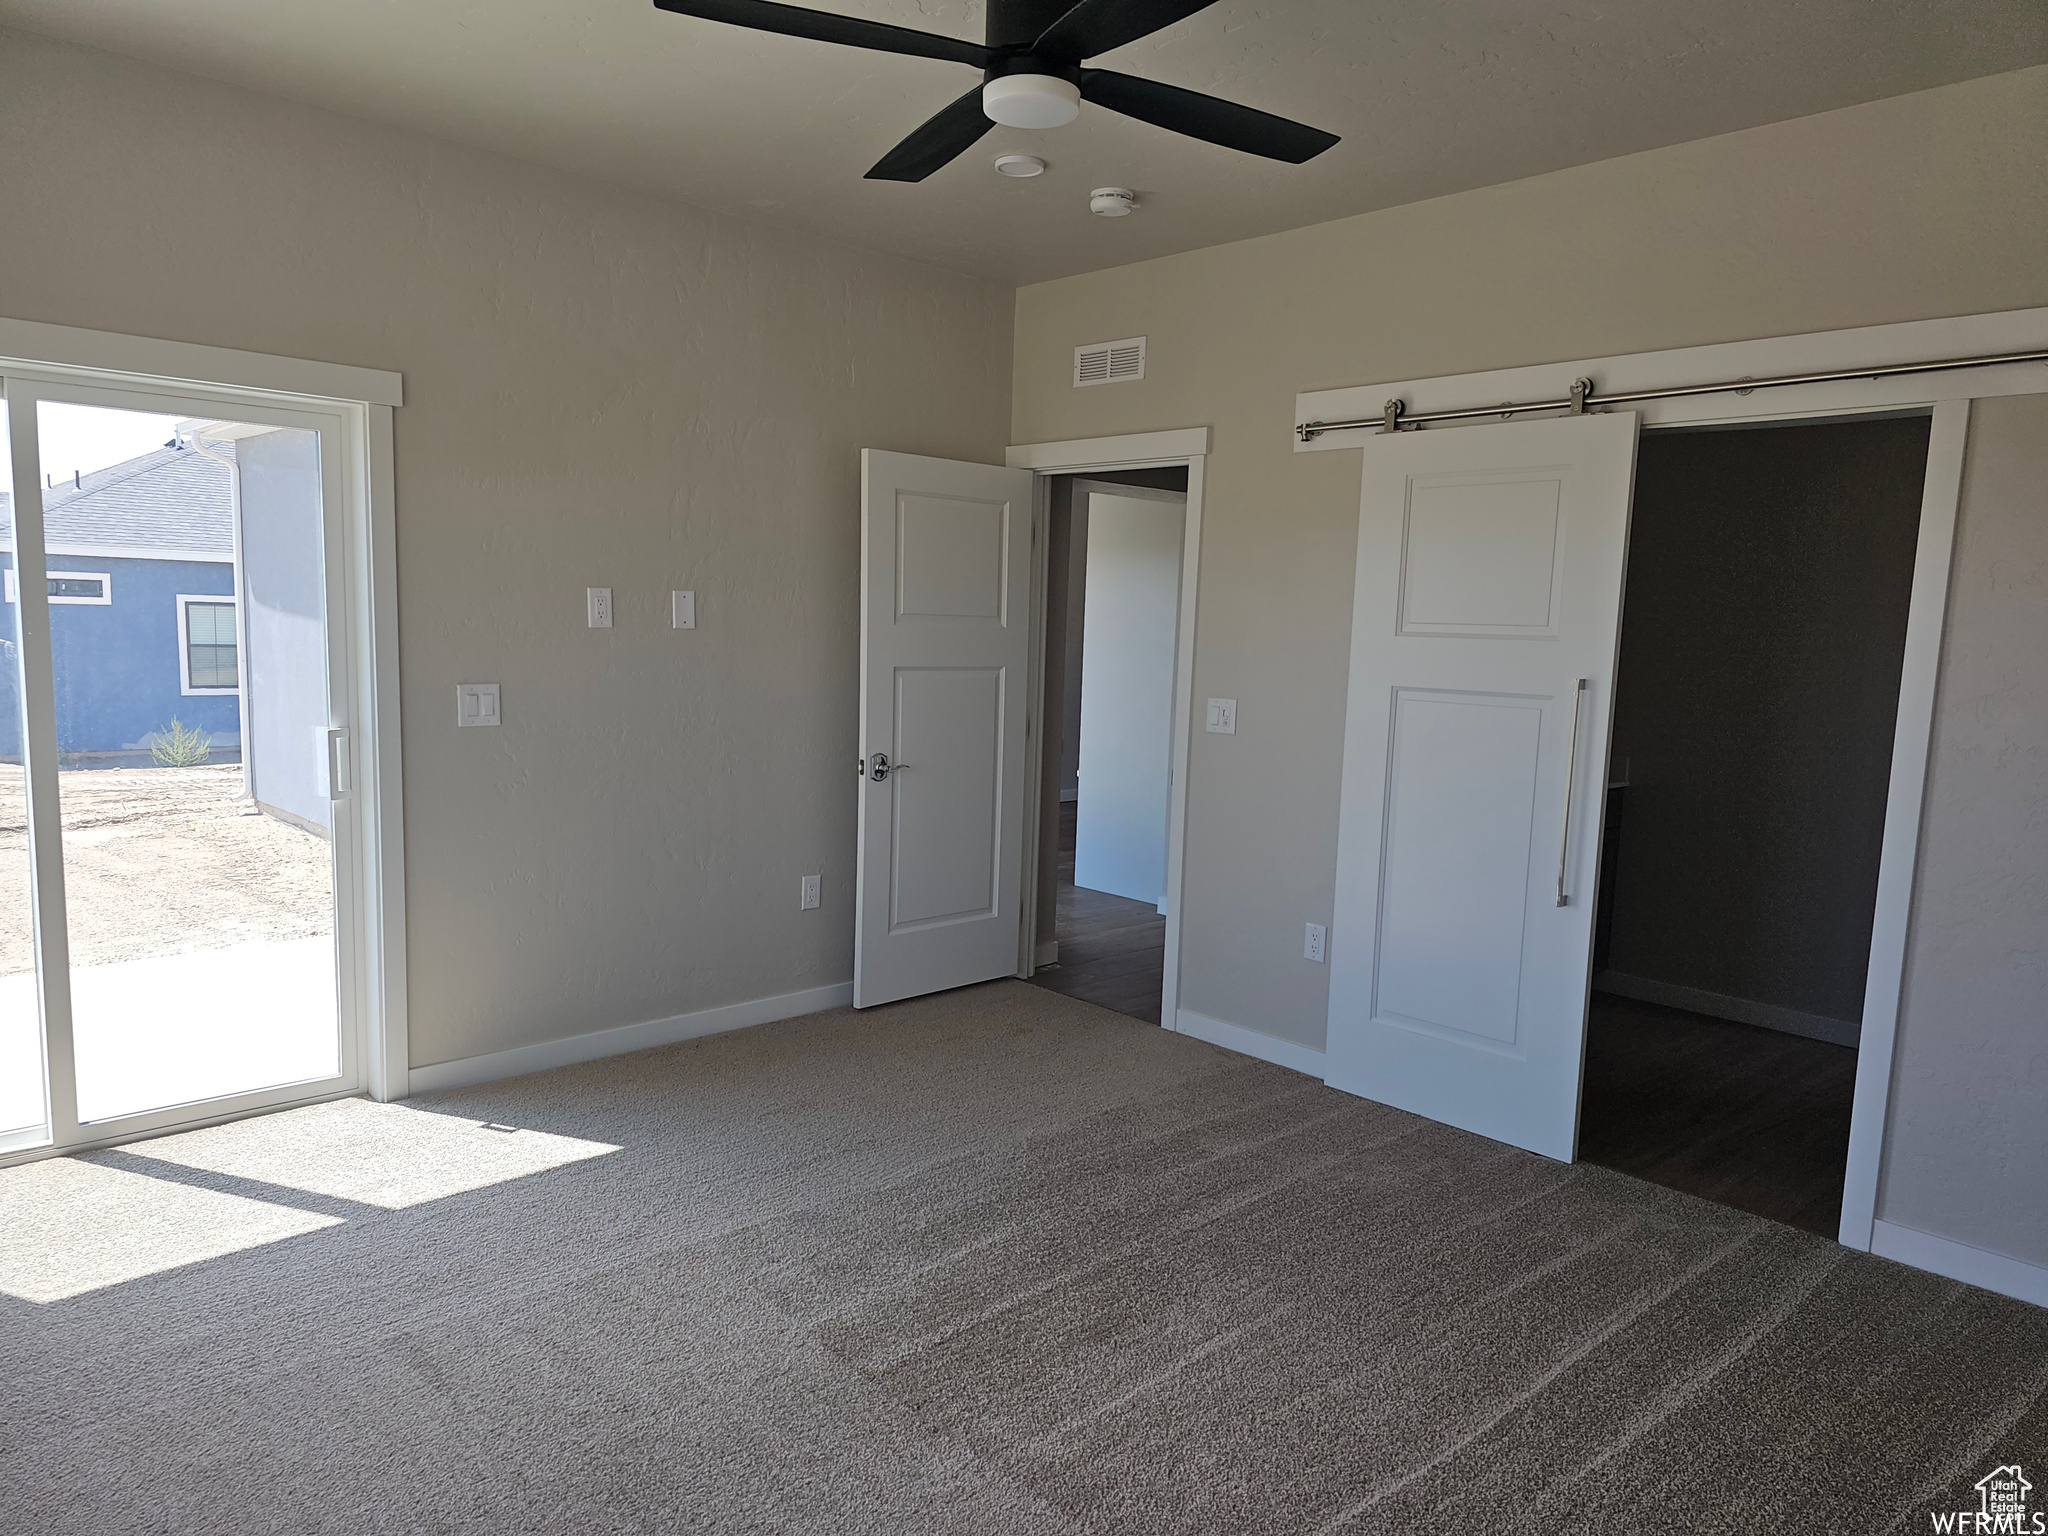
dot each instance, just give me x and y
(1109, 362)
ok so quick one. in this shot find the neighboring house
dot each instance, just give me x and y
(147, 578)
(141, 562)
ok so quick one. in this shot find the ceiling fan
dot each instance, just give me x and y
(1032, 75)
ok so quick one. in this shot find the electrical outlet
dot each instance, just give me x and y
(1314, 943)
(810, 897)
(599, 601)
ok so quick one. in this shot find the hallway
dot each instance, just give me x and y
(1112, 950)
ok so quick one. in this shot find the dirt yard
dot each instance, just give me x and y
(162, 861)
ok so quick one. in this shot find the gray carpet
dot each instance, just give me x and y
(995, 1262)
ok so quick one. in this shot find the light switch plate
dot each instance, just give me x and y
(599, 601)
(1223, 716)
(683, 609)
(1315, 943)
(810, 892)
(476, 704)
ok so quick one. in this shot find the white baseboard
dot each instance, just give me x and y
(1959, 1261)
(1719, 1005)
(1048, 953)
(1250, 1042)
(470, 1070)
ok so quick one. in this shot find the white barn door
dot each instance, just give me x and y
(1475, 764)
(945, 653)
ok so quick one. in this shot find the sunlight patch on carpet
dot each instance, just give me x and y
(387, 1155)
(68, 1227)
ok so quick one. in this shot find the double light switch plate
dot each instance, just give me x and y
(476, 704)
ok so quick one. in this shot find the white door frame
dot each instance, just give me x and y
(356, 405)
(1946, 397)
(1189, 448)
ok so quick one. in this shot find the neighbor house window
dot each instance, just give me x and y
(206, 637)
(95, 587)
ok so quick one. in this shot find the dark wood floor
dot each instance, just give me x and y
(1112, 950)
(1748, 1117)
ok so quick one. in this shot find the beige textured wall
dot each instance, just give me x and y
(1924, 205)
(1966, 1153)
(601, 389)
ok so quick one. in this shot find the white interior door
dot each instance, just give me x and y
(1482, 677)
(945, 653)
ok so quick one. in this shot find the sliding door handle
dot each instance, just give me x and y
(1571, 778)
(335, 747)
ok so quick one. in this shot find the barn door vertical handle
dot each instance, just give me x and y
(1571, 778)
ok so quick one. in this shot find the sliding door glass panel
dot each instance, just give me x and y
(188, 637)
(24, 1105)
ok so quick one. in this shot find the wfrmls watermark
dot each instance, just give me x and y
(2002, 1509)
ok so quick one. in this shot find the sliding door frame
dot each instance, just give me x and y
(352, 408)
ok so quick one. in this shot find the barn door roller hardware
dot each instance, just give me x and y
(1394, 415)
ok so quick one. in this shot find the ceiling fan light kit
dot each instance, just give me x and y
(1031, 101)
(1032, 75)
(1112, 202)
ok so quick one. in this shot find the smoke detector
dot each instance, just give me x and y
(1019, 165)
(1112, 202)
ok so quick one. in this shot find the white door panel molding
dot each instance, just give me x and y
(946, 645)
(1484, 634)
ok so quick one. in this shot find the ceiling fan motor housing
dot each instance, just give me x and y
(1025, 90)
(1019, 23)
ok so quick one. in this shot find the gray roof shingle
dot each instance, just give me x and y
(168, 499)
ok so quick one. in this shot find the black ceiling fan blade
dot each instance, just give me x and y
(1097, 26)
(1205, 117)
(935, 142)
(823, 26)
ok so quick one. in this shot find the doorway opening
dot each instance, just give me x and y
(1769, 579)
(1115, 552)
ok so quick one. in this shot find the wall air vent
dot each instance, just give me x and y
(1109, 362)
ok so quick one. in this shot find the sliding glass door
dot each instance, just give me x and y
(175, 831)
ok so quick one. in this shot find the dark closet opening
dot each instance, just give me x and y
(1769, 575)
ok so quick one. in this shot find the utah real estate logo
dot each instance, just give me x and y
(2003, 1508)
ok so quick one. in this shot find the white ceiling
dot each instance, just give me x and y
(1432, 97)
